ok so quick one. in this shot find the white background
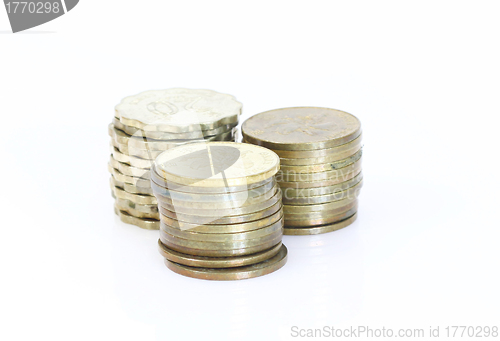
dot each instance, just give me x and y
(422, 76)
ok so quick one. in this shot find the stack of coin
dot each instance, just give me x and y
(151, 122)
(320, 155)
(220, 209)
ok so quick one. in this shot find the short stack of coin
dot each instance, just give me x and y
(220, 209)
(320, 156)
(151, 122)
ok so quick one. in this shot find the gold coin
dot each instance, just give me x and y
(289, 192)
(222, 245)
(341, 174)
(224, 228)
(217, 164)
(226, 211)
(139, 182)
(324, 219)
(222, 237)
(216, 262)
(150, 209)
(301, 128)
(318, 159)
(136, 152)
(347, 205)
(149, 224)
(200, 220)
(129, 170)
(168, 194)
(352, 192)
(136, 213)
(204, 205)
(322, 167)
(321, 183)
(178, 110)
(243, 272)
(130, 160)
(320, 229)
(131, 188)
(137, 198)
(316, 207)
(159, 135)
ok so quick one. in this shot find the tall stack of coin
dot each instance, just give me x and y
(220, 209)
(320, 155)
(151, 122)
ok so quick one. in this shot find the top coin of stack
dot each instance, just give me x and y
(220, 209)
(151, 122)
(320, 155)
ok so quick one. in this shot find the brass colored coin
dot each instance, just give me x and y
(226, 211)
(322, 183)
(203, 220)
(217, 164)
(131, 188)
(321, 220)
(352, 192)
(216, 262)
(341, 174)
(137, 152)
(159, 135)
(137, 198)
(171, 185)
(301, 128)
(178, 110)
(322, 167)
(243, 272)
(168, 194)
(205, 205)
(222, 237)
(136, 213)
(130, 160)
(293, 209)
(302, 231)
(224, 228)
(139, 182)
(149, 224)
(129, 170)
(290, 193)
(322, 214)
(219, 246)
(319, 159)
(149, 209)
(221, 253)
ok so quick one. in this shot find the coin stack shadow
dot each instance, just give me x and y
(320, 154)
(136, 140)
(220, 210)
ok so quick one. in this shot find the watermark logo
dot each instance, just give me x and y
(24, 15)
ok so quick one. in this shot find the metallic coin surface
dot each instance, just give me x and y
(222, 237)
(150, 209)
(131, 188)
(149, 224)
(139, 182)
(136, 213)
(341, 174)
(130, 160)
(224, 228)
(325, 219)
(321, 183)
(220, 252)
(243, 272)
(301, 128)
(352, 192)
(137, 198)
(322, 214)
(322, 167)
(136, 152)
(302, 231)
(216, 262)
(129, 170)
(293, 209)
(178, 110)
(204, 220)
(223, 212)
(217, 164)
(159, 135)
(291, 193)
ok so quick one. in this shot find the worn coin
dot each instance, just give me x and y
(224, 228)
(322, 167)
(204, 220)
(216, 262)
(321, 220)
(352, 192)
(301, 128)
(217, 164)
(242, 272)
(341, 174)
(150, 209)
(320, 229)
(149, 224)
